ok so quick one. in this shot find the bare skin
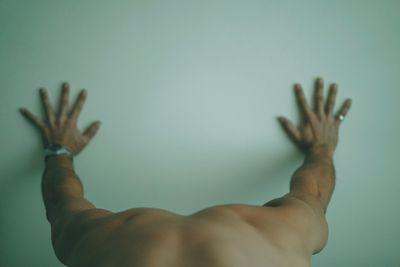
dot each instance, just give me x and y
(283, 232)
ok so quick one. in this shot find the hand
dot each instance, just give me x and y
(62, 128)
(319, 127)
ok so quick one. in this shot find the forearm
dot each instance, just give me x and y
(59, 181)
(317, 174)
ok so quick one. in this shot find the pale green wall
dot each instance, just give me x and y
(188, 93)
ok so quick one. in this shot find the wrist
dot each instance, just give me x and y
(323, 150)
(320, 153)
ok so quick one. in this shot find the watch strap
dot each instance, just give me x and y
(56, 150)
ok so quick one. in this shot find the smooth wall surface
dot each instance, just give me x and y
(188, 93)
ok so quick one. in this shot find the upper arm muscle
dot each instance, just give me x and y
(70, 220)
(305, 215)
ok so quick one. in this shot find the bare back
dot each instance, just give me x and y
(221, 236)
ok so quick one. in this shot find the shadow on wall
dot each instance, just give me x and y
(18, 211)
(15, 179)
(263, 179)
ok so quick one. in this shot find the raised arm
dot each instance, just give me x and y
(303, 209)
(317, 137)
(60, 181)
(62, 189)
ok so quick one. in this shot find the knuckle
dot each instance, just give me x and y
(60, 121)
(46, 132)
(313, 118)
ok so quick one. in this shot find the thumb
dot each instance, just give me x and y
(91, 130)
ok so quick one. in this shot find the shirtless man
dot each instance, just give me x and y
(286, 231)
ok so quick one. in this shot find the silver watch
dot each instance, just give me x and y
(57, 149)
